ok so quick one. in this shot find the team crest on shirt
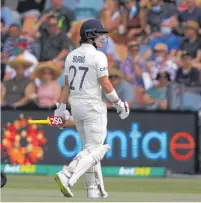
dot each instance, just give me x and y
(103, 69)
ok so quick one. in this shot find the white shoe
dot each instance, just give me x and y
(94, 192)
(62, 181)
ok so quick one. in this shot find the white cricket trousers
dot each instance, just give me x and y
(91, 122)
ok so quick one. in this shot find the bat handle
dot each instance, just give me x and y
(44, 122)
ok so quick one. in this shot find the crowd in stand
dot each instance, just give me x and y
(151, 44)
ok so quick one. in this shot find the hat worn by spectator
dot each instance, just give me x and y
(160, 47)
(54, 67)
(191, 24)
(116, 73)
(20, 60)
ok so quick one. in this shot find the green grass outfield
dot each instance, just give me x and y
(44, 189)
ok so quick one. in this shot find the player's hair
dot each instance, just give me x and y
(90, 38)
(88, 41)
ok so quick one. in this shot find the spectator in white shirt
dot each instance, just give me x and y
(162, 62)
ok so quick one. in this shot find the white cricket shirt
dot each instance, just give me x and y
(83, 67)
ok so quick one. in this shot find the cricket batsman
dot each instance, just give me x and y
(86, 75)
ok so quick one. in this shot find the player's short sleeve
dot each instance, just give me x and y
(101, 64)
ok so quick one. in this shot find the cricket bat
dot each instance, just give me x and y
(53, 121)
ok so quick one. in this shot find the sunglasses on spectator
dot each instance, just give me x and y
(157, 51)
(113, 76)
(134, 47)
(163, 77)
(47, 73)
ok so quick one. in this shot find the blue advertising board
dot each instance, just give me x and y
(145, 139)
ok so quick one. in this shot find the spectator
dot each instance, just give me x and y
(10, 72)
(123, 88)
(110, 16)
(18, 91)
(156, 96)
(14, 37)
(49, 91)
(109, 50)
(187, 74)
(192, 42)
(192, 13)
(158, 12)
(64, 15)
(166, 37)
(55, 44)
(161, 62)
(132, 67)
(134, 16)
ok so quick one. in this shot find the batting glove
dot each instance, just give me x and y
(61, 111)
(122, 108)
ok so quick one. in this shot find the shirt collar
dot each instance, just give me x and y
(85, 45)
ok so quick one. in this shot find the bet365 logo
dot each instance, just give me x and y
(56, 121)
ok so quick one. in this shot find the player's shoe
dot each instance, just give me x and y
(94, 192)
(62, 181)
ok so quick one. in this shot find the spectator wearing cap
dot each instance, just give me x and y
(192, 42)
(191, 13)
(55, 45)
(50, 90)
(162, 62)
(18, 91)
(166, 37)
(10, 72)
(156, 96)
(134, 16)
(65, 16)
(158, 12)
(132, 67)
(187, 74)
(123, 88)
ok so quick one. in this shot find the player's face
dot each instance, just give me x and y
(101, 41)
